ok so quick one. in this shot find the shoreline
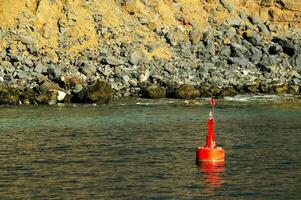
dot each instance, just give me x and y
(262, 99)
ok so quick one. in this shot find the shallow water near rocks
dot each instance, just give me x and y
(146, 150)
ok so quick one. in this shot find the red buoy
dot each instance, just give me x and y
(210, 152)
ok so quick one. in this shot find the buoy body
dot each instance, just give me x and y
(216, 154)
(210, 152)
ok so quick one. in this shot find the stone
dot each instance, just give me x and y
(70, 81)
(225, 52)
(231, 32)
(263, 28)
(49, 97)
(28, 96)
(77, 88)
(143, 78)
(229, 92)
(113, 61)
(227, 5)
(252, 37)
(61, 95)
(280, 88)
(254, 20)
(256, 55)
(133, 82)
(274, 49)
(286, 44)
(187, 91)
(54, 72)
(28, 62)
(99, 92)
(28, 40)
(234, 21)
(174, 37)
(267, 3)
(137, 57)
(9, 95)
(21, 74)
(156, 92)
(88, 69)
(296, 61)
(195, 36)
(41, 68)
(293, 89)
(48, 86)
(238, 50)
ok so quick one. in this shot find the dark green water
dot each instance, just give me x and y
(148, 152)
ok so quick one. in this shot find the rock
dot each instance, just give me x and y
(242, 62)
(49, 97)
(143, 78)
(41, 68)
(267, 3)
(88, 69)
(238, 50)
(195, 36)
(234, 21)
(133, 82)
(252, 37)
(252, 88)
(280, 88)
(215, 91)
(28, 62)
(9, 95)
(174, 37)
(225, 52)
(231, 32)
(227, 5)
(113, 61)
(78, 88)
(255, 55)
(287, 45)
(254, 19)
(293, 89)
(21, 74)
(29, 40)
(187, 91)
(54, 72)
(48, 86)
(296, 61)
(70, 81)
(99, 92)
(137, 57)
(229, 92)
(156, 92)
(263, 28)
(61, 95)
(28, 96)
(275, 49)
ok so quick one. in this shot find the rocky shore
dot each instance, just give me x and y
(241, 55)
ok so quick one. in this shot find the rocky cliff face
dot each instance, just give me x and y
(53, 50)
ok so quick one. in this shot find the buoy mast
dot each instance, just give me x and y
(210, 152)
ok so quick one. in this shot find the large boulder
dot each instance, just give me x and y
(9, 95)
(27, 96)
(156, 92)
(187, 91)
(99, 92)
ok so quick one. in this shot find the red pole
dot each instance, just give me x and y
(210, 140)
